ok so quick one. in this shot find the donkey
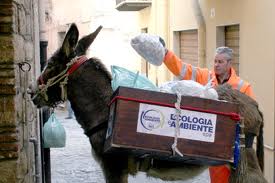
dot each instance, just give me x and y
(89, 90)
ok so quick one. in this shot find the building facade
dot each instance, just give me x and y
(194, 28)
(113, 39)
(19, 134)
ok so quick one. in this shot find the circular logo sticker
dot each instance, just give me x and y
(152, 119)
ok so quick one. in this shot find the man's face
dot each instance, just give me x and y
(221, 64)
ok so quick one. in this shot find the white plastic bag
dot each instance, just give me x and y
(54, 134)
(149, 47)
(190, 88)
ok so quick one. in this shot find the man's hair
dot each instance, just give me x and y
(225, 50)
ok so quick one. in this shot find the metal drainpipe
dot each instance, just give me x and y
(36, 155)
(44, 113)
(201, 32)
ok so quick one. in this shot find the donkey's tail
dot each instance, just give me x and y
(260, 148)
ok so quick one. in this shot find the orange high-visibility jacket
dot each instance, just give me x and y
(218, 174)
(203, 75)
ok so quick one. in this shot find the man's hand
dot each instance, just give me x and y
(163, 44)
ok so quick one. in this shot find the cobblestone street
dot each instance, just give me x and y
(74, 163)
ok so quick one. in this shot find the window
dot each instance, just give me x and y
(230, 36)
(188, 46)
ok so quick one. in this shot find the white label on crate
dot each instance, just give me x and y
(158, 120)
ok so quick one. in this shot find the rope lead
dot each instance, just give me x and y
(55, 80)
(177, 129)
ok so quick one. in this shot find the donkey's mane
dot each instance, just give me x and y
(98, 63)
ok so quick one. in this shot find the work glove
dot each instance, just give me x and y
(150, 47)
(163, 44)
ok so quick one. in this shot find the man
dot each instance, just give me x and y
(223, 72)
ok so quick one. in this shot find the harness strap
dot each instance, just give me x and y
(96, 128)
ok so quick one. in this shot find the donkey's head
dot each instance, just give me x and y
(41, 92)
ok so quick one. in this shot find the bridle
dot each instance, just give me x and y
(71, 66)
(93, 130)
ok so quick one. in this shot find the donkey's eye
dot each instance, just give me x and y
(50, 65)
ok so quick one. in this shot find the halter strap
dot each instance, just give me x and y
(74, 64)
(79, 61)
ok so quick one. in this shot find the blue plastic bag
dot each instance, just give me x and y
(54, 134)
(124, 77)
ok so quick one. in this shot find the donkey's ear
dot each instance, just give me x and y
(70, 41)
(85, 42)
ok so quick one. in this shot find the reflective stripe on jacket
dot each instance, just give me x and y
(186, 71)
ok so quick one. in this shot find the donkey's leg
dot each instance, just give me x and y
(115, 169)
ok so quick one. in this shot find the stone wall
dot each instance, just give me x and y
(17, 116)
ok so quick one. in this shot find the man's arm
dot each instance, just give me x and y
(153, 49)
(186, 71)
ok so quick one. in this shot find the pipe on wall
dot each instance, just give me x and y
(37, 159)
(201, 32)
(45, 166)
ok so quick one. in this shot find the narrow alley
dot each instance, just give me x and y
(74, 163)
